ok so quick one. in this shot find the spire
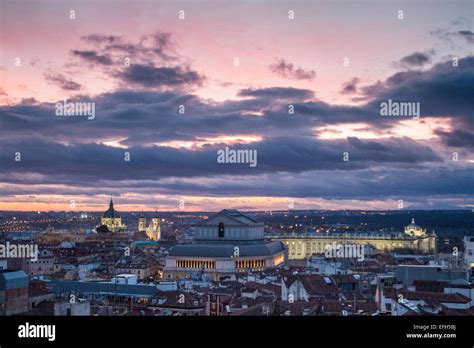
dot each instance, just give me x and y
(413, 221)
(111, 204)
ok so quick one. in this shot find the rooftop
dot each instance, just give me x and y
(265, 248)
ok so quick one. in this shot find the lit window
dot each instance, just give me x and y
(221, 230)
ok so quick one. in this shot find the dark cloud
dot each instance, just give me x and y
(152, 62)
(62, 82)
(292, 161)
(350, 87)
(93, 57)
(151, 48)
(457, 138)
(288, 70)
(442, 91)
(141, 119)
(416, 59)
(150, 76)
(35, 62)
(405, 183)
(277, 92)
(101, 38)
(84, 161)
(457, 37)
(367, 184)
(467, 34)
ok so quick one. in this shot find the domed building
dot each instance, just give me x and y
(112, 219)
(227, 242)
(414, 230)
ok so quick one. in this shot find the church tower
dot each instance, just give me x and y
(155, 222)
(154, 229)
(142, 223)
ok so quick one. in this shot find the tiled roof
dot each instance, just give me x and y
(13, 279)
(430, 285)
(315, 285)
(99, 287)
(435, 297)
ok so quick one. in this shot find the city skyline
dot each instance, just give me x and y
(300, 83)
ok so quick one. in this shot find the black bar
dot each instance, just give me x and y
(291, 331)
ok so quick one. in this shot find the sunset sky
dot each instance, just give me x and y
(139, 61)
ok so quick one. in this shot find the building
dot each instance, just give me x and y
(178, 303)
(143, 269)
(322, 265)
(39, 294)
(44, 265)
(408, 274)
(305, 287)
(67, 308)
(153, 231)
(413, 238)
(400, 302)
(141, 224)
(111, 219)
(14, 292)
(95, 291)
(414, 230)
(469, 251)
(226, 242)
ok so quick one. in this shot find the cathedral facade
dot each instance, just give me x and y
(153, 230)
(112, 219)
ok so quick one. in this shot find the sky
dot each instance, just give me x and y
(175, 82)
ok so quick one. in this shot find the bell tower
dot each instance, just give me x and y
(141, 223)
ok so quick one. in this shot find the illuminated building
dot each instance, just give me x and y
(111, 219)
(141, 224)
(414, 238)
(225, 243)
(414, 230)
(153, 231)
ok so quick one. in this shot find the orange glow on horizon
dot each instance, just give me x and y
(194, 204)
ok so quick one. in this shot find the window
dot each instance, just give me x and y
(221, 230)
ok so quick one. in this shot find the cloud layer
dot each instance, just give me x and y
(154, 135)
